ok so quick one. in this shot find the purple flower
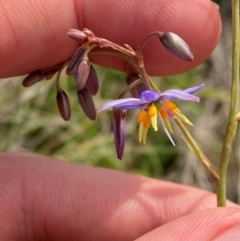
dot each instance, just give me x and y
(119, 131)
(153, 104)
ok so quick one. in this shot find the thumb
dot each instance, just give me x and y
(34, 31)
(219, 224)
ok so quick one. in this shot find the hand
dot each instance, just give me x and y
(45, 199)
(34, 32)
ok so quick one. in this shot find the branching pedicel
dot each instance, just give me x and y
(145, 95)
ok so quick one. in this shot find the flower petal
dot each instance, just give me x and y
(130, 107)
(149, 96)
(193, 89)
(123, 104)
(119, 131)
(179, 94)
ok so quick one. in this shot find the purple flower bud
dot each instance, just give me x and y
(48, 74)
(77, 35)
(92, 81)
(63, 105)
(87, 104)
(119, 131)
(137, 90)
(33, 78)
(82, 73)
(174, 44)
(75, 60)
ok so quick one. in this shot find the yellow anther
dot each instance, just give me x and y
(144, 136)
(154, 122)
(140, 132)
(144, 121)
(168, 125)
(152, 111)
(183, 118)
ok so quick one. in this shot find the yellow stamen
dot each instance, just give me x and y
(182, 117)
(140, 132)
(152, 111)
(168, 125)
(144, 121)
(147, 122)
(175, 111)
(170, 105)
(144, 136)
(154, 122)
(163, 113)
(164, 116)
(142, 116)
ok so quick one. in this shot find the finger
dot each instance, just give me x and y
(219, 224)
(34, 31)
(42, 197)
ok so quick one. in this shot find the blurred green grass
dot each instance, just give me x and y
(29, 121)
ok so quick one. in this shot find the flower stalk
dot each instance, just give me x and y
(197, 151)
(232, 121)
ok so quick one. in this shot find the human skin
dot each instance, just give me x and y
(45, 199)
(34, 31)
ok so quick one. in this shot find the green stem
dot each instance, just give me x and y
(196, 149)
(232, 121)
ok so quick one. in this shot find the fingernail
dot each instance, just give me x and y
(231, 234)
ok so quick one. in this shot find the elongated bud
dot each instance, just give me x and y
(174, 44)
(82, 73)
(87, 104)
(77, 35)
(92, 81)
(33, 78)
(119, 131)
(75, 60)
(138, 89)
(63, 105)
(50, 73)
